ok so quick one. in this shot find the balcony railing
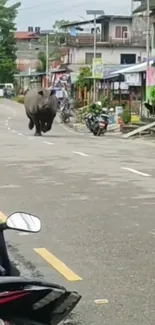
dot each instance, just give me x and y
(138, 39)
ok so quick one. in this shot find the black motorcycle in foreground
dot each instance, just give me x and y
(24, 301)
(97, 124)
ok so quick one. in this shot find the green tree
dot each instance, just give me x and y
(7, 41)
(58, 23)
(55, 55)
(41, 67)
(82, 80)
(152, 98)
(58, 36)
(126, 116)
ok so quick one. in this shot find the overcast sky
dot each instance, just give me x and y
(43, 13)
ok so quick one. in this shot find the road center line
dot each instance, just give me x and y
(57, 264)
(136, 171)
(80, 153)
(46, 142)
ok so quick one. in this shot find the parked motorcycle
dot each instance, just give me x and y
(24, 301)
(65, 112)
(89, 121)
(97, 124)
(100, 125)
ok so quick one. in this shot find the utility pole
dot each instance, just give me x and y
(148, 32)
(47, 59)
(46, 33)
(94, 13)
(94, 81)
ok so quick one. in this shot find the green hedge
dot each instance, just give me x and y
(19, 99)
(126, 116)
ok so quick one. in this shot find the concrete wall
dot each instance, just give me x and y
(109, 55)
(30, 50)
(118, 22)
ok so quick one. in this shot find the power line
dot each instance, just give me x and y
(39, 5)
(66, 9)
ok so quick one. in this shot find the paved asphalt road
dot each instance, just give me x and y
(96, 200)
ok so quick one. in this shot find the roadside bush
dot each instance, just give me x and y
(19, 99)
(81, 113)
(106, 101)
(94, 109)
(126, 116)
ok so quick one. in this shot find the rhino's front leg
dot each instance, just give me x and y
(48, 126)
(37, 127)
(43, 126)
(31, 124)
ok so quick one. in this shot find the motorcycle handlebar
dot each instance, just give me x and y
(2, 271)
(3, 226)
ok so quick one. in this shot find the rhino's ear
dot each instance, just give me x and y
(40, 92)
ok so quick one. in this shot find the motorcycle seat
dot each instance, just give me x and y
(24, 281)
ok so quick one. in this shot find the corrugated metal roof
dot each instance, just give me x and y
(110, 70)
(32, 74)
(134, 68)
(25, 35)
(98, 20)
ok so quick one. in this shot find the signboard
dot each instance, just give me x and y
(112, 119)
(135, 118)
(121, 85)
(150, 82)
(133, 79)
(119, 110)
(97, 69)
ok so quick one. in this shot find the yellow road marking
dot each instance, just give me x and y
(2, 217)
(57, 264)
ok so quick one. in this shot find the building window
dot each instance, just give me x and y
(89, 57)
(121, 31)
(127, 58)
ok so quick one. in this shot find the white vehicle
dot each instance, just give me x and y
(6, 85)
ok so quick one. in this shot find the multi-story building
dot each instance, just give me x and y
(27, 49)
(118, 41)
(29, 44)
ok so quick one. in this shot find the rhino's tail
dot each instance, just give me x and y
(31, 124)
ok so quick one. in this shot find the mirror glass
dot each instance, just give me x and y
(23, 221)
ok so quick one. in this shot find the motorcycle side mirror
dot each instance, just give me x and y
(23, 221)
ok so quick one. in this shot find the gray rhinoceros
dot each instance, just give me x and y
(41, 107)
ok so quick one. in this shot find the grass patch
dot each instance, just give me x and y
(19, 99)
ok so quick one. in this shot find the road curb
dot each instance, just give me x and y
(77, 127)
